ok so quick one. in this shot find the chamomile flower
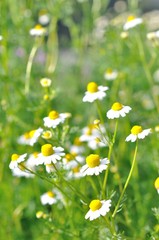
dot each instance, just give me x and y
(43, 17)
(45, 82)
(156, 183)
(46, 134)
(138, 133)
(110, 74)
(37, 31)
(118, 110)
(21, 171)
(98, 208)
(49, 154)
(77, 146)
(16, 159)
(92, 136)
(94, 92)
(74, 173)
(132, 22)
(48, 198)
(94, 165)
(54, 119)
(72, 160)
(31, 137)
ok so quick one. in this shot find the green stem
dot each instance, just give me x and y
(99, 111)
(109, 156)
(127, 181)
(47, 180)
(84, 199)
(29, 66)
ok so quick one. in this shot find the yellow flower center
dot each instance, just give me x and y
(93, 160)
(47, 149)
(31, 133)
(136, 130)
(50, 194)
(53, 115)
(95, 205)
(35, 154)
(157, 183)
(130, 18)
(69, 157)
(92, 87)
(39, 214)
(26, 135)
(117, 106)
(77, 141)
(14, 157)
(75, 169)
(109, 71)
(38, 27)
(47, 135)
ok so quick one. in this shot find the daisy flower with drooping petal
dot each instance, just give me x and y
(21, 171)
(110, 74)
(94, 92)
(31, 137)
(132, 22)
(118, 110)
(49, 154)
(45, 82)
(37, 31)
(156, 183)
(54, 119)
(138, 133)
(16, 159)
(98, 208)
(48, 198)
(94, 165)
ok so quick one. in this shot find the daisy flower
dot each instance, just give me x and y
(37, 31)
(21, 171)
(157, 184)
(45, 82)
(43, 17)
(132, 22)
(46, 134)
(92, 136)
(48, 198)
(16, 159)
(98, 208)
(49, 154)
(77, 146)
(54, 119)
(118, 110)
(94, 92)
(94, 165)
(72, 160)
(31, 137)
(110, 74)
(138, 133)
(75, 173)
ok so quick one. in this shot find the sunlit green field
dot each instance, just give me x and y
(53, 53)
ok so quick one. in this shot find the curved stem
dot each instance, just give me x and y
(99, 111)
(109, 156)
(127, 181)
(29, 66)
